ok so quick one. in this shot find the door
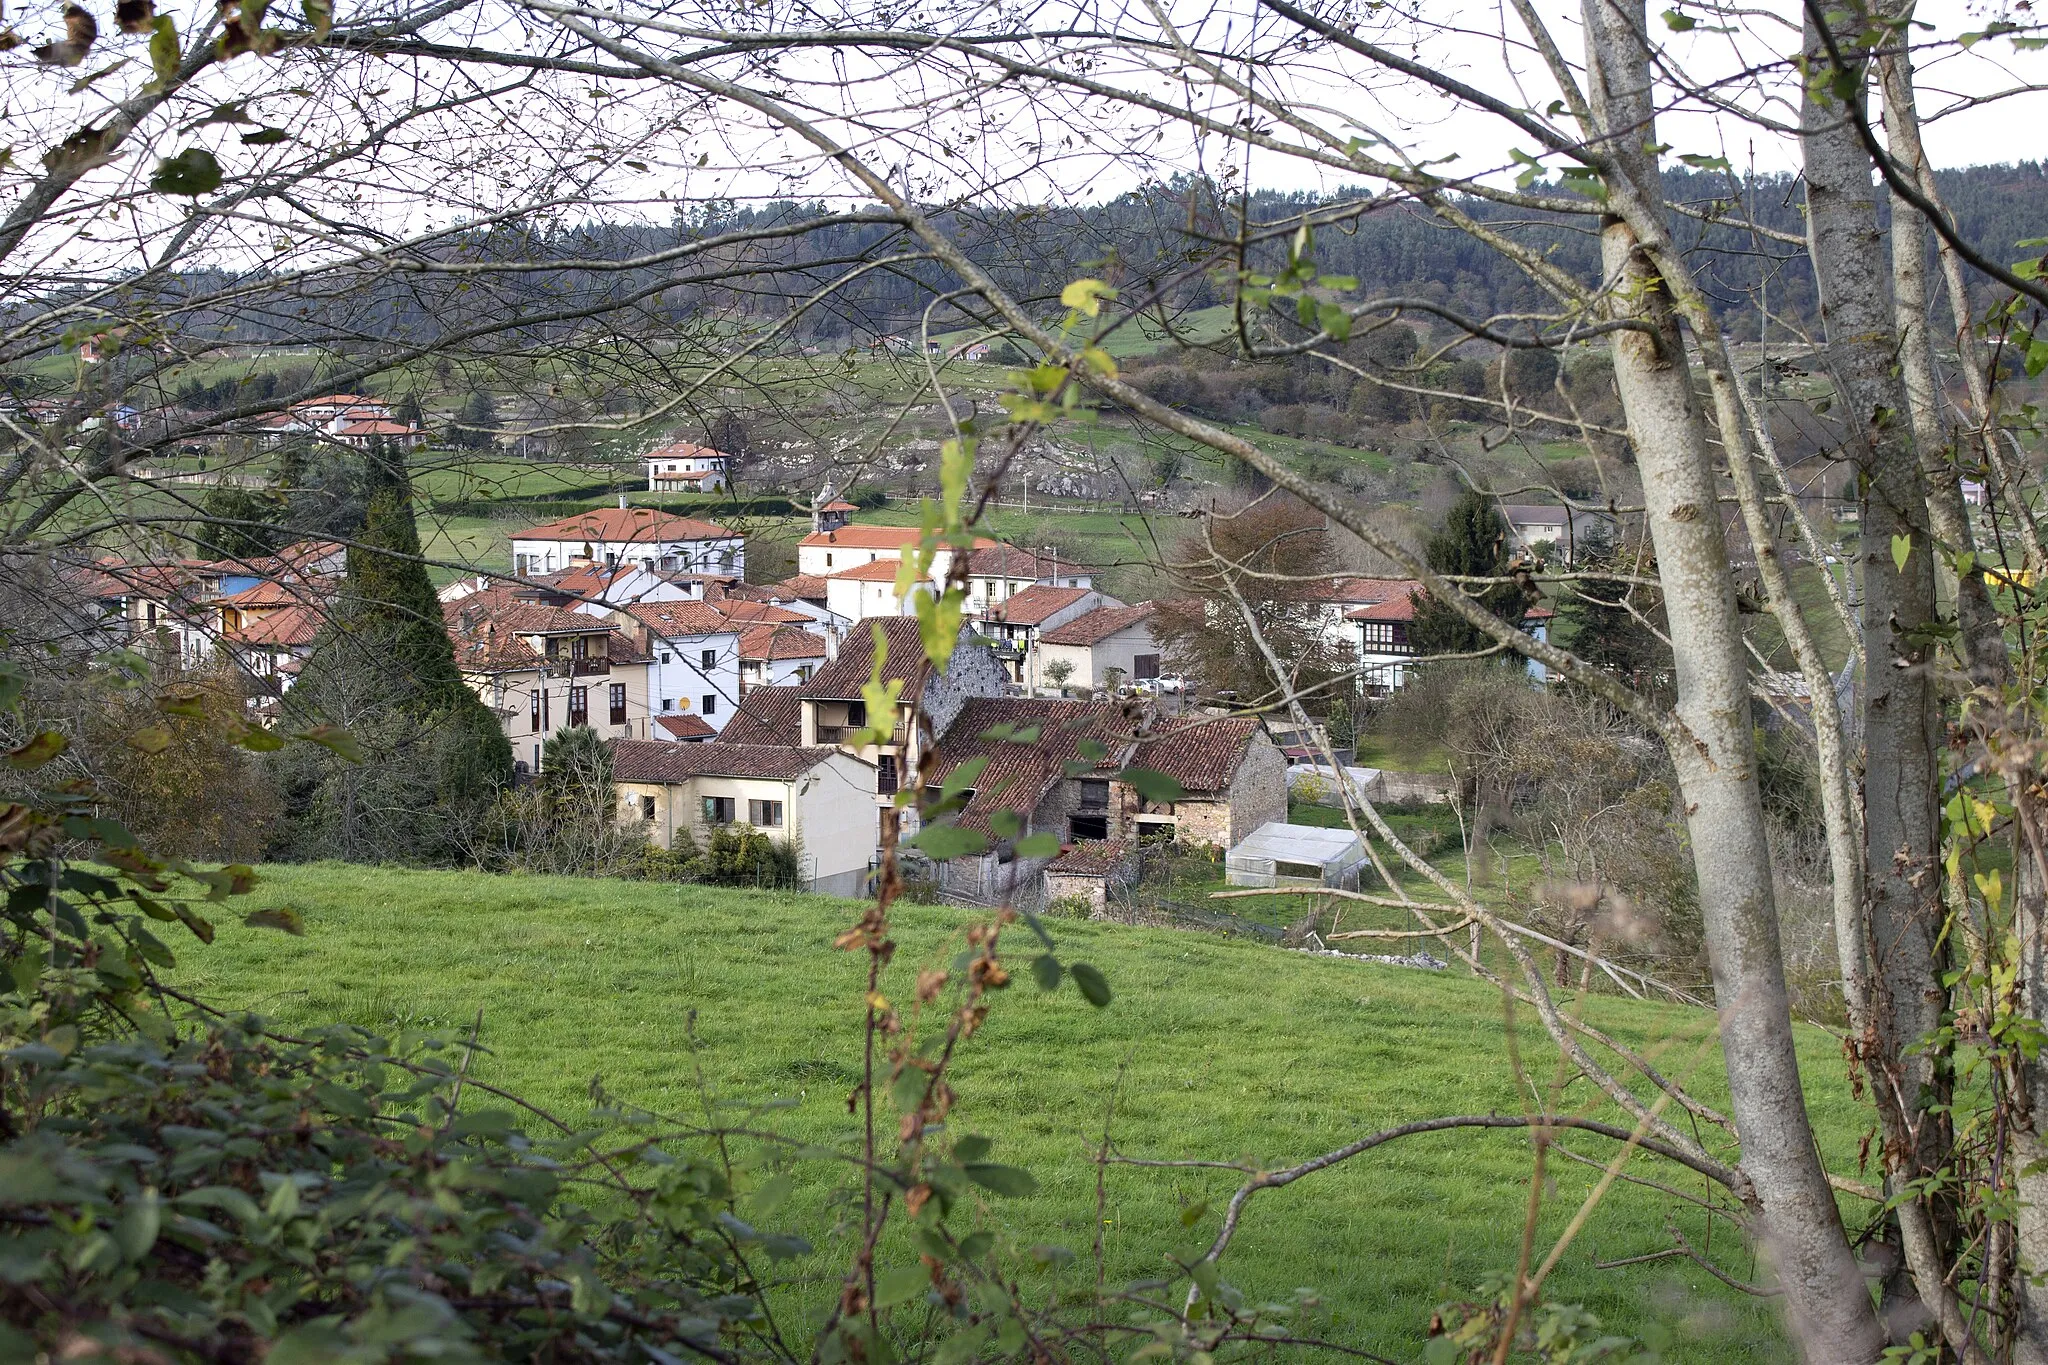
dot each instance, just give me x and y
(1144, 667)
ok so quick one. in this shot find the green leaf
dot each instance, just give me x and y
(944, 842)
(225, 1198)
(1086, 296)
(975, 1245)
(191, 172)
(1679, 23)
(1045, 970)
(165, 53)
(151, 739)
(1038, 846)
(1012, 1181)
(901, 1285)
(282, 918)
(38, 751)
(1151, 785)
(1006, 823)
(1094, 986)
(1193, 1213)
(265, 137)
(938, 624)
(335, 739)
(972, 1147)
(1902, 549)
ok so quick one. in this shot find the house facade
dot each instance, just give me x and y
(824, 553)
(639, 536)
(693, 655)
(542, 669)
(685, 467)
(819, 800)
(1014, 624)
(1109, 637)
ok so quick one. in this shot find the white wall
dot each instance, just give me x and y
(839, 824)
(1117, 651)
(683, 678)
(727, 555)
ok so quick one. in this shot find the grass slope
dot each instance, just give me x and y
(1226, 1050)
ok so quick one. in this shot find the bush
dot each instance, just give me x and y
(740, 855)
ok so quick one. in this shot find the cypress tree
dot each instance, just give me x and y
(1472, 542)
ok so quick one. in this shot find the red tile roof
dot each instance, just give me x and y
(680, 620)
(842, 679)
(1202, 755)
(780, 642)
(803, 585)
(624, 525)
(743, 612)
(689, 729)
(1093, 627)
(1035, 604)
(875, 571)
(1091, 857)
(1363, 591)
(1021, 768)
(877, 538)
(685, 450)
(1007, 561)
(1399, 606)
(766, 715)
(654, 760)
(294, 625)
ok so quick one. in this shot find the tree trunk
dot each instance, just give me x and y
(1798, 1221)
(1896, 553)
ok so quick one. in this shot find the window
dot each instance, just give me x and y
(828, 562)
(618, 703)
(1161, 830)
(708, 659)
(546, 703)
(1305, 871)
(803, 673)
(665, 658)
(1144, 667)
(718, 810)
(1094, 795)
(857, 713)
(710, 703)
(579, 706)
(885, 775)
(646, 808)
(668, 703)
(765, 814)
(533, 698)
(1088, 826)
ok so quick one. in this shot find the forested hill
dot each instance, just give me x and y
(1139, 240)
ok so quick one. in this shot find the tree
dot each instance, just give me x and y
(476, 423)
(1472, 542)
(1058, 671)
(238, 524)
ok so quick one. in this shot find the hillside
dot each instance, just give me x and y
(1229, 1051)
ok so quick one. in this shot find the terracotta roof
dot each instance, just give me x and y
(1397, 606)
(1363, 591)
(527, 618)
(494, 653)
(1091, 857)
(624, 525)
(766, 715)
(780, 642)
(804, 585)
(1007, 561)
(685, 450)
(689, 729)
(1035, 604)
(1201, 755)
(875, 571)
(329, 400)
(842, 679)
(267, 593)
(1021, 769)
(1096, 626)
(293, 625)
(654, 760)
(878, 538)
(680, 620)
(376, 427)
(742, 612)
(839, 505)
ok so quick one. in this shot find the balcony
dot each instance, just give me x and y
(578, 668)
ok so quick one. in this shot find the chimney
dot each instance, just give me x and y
(622, 502)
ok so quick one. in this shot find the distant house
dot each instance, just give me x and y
(1566, 530)
(998, 573)
(541, 668)
(1014, 624)
(778, 654)
(1097, 641)
(350, 419)
(834, 709)
(827, 552)
(1058, 767)
(819, 800)
(684, 467)
(1386, 652)
(641, 536)
(693, 654)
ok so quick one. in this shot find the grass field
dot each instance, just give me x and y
(1226, 1050)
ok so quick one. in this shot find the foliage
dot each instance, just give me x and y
(566, 820)
(1614, 623)
(476, 424)
(238, 524)
(170, 758)
(1472, 542)
(740, 855)
(1058, 671)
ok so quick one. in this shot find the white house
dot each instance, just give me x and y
(685, 467)
(641, 536)
(1387, 654)
(996, 574)
(1096, 641)
(867, 590)
(1565, 529)
(825, 553)
(693, 666)
(777, 654)
(818, 800)
(1014, 625)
